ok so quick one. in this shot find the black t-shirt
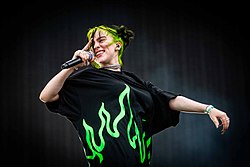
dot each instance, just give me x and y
(115, 114)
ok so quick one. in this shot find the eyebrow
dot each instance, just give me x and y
(100, 37)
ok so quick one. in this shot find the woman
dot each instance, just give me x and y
(115, 112)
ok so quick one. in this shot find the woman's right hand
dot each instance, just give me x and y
(84, 54)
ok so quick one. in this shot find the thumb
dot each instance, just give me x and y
(215, 121)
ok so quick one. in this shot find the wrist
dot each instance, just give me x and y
(75, 68)
(208, 109)
(68, 71)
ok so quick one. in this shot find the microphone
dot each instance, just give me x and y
(76, 61)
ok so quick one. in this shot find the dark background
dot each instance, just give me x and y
(200, 50)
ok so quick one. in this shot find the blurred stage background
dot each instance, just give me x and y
(199, 50)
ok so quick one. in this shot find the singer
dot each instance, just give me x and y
(115, 112)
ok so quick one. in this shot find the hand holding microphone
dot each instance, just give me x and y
(83, 57)
(80, 57)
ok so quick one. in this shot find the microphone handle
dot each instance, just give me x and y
(73, 62)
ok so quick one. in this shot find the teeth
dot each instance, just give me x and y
(99, 52)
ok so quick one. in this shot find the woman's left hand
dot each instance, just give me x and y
(216, 115)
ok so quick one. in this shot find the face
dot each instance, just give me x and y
(105, 49)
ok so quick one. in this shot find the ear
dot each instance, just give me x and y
(118, 46)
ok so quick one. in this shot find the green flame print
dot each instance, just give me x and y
(112, 130)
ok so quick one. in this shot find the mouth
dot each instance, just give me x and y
(99, 53)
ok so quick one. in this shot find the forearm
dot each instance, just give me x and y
(181, 103)
(51, 90)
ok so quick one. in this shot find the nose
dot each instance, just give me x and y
(96, 45)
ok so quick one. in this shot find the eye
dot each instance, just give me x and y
(101, 40)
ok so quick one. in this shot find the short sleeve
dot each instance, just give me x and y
(67, 104)
(163, 116)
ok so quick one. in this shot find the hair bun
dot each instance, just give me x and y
(124, 33)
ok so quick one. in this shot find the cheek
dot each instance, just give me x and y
(109, 51)
(112, 49)
(103, 58)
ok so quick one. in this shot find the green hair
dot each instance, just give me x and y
(119, 33)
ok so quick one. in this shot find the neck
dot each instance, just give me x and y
(113, 67)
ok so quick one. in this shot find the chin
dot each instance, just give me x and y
(102, 61)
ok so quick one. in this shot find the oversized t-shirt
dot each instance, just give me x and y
(115, 114)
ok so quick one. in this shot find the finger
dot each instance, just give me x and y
(225, 124)
(77, 53)
(215, 121)
(85, 55)
(88, 45)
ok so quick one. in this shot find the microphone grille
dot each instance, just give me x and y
(91, 55)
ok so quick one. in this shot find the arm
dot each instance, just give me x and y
(51, 90)
(183, 104)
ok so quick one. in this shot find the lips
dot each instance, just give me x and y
(99, 53)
